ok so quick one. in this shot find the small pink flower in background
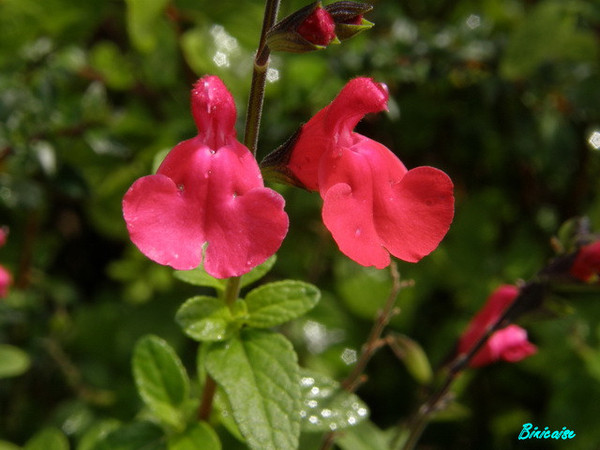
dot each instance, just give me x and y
(5, 281)
(318, 28)
(207, 197)
(373, 205)
(587, 262)
(508, 344)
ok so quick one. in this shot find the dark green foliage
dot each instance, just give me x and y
(501, 94)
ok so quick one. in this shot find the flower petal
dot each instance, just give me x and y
(413, 221)
(348, 208)
(244, 232)
(162, 224)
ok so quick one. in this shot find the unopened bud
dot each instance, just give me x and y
(310, 28)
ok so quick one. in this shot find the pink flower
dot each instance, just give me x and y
(508, 344)
(587, 262)
(318, 28)
(373, 205)
(5, 281)
(207, 197)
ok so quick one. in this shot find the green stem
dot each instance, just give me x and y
(259, 78)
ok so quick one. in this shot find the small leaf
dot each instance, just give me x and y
(142, 20)
(414, 358)
(365, 436)
(13, 361)
(327, 407)
(258, 272)
(134, 436)
(48, 439)
(259, 373)
(5, 445)
(275, 303)
(96, 433)
(161, 379)
(198, 277)
(198, 436)
(208, 319)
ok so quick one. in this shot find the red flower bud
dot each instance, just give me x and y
(318, 28)
(587, 262)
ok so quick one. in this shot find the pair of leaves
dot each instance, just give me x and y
(209, 319)
(206, 318)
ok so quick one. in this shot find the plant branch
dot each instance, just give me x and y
(529, 296)
(259, 78)
(373, 342)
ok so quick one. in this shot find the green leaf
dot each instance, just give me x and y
(143, 17)
(161, 379)
(259, 373)
(13, 361)
(209, 319)
(365, 436)
(326, 406)
(135, 436)
(48, 439)
(198, 277)
(275, 303)
(96, 433)
(258, 272)
(414, 358)
(199, 436)
(5, 445)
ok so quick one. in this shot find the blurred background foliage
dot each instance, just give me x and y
(503, 95)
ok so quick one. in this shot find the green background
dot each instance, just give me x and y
(503, 95)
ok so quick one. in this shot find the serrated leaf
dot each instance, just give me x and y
(13, 361)
(48, 439)
(209, 319)
(259, 373)
(198, 277)
(198, 436)
(258, 272)
(326, 406)
(134, 436)
(276, 303)
(161, 379)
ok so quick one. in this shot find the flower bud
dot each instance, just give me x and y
(586, 266)
(348, 18)
(310, 28)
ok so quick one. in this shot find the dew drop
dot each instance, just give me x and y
(315, 390)
(303, 413)
(326, 412)
(314, 420)
(307, 381)
(212, 152)
(333, 426)
(312, 403)
(180, 187)
(362, 412)
(357, 232)
(352, 420)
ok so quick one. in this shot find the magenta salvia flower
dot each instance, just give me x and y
(372, 204)
(207, 202)
(508, 344)
(587, 262)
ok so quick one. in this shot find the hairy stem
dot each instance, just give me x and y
(259, 78)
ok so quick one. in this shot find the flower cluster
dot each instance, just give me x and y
(507, 344)
(372, 204)
(207, 201)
